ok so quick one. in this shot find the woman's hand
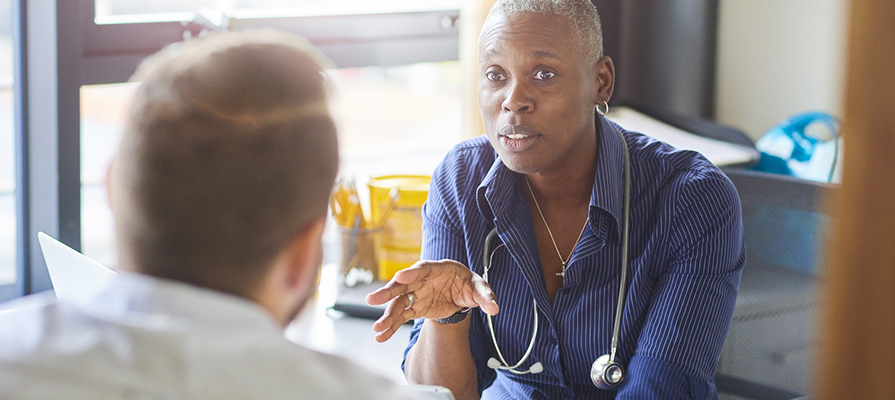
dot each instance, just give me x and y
(439, 288)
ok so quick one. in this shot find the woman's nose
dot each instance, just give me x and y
(518, 99)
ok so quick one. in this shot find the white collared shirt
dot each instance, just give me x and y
(145, 338)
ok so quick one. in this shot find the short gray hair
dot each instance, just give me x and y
(581, 13)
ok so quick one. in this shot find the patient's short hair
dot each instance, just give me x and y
(228, 153)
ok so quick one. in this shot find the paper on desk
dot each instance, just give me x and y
(718, 152)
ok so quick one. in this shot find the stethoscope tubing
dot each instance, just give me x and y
(487, 260)
(626, 211)
(619, 309)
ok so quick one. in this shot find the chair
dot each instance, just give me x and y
(771, 343)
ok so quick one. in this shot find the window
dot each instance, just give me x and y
(396, 62)
(119, 10)
(352, 33)
(103, 114)
(400, 119)
(391, 120)
(8, 275)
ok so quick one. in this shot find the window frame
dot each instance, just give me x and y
(59, 47)
(112, 51)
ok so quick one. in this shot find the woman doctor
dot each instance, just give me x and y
(613, 258)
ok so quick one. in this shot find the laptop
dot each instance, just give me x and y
(72, 274)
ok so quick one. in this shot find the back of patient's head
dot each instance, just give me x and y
(229, 153)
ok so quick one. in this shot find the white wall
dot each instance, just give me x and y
(777, 58)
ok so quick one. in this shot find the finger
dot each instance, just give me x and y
(426, 269)
(406, 314)
(390, 330)
(392, 317)
(384, 294)
(484, 296)
(384, 335)
(390, 291)
(398, 285)
(416, 272)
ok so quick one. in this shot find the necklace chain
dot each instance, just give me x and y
(549, 232)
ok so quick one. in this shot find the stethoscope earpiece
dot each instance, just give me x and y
(535, 368)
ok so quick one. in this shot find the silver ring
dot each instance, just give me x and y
(412, 299)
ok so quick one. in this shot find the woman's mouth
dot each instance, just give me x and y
(517, 138)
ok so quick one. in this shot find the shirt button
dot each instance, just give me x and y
(566, 291)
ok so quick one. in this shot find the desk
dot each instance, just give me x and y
(352, 338)
(718, 152)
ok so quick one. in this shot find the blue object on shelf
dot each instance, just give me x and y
(787, 150)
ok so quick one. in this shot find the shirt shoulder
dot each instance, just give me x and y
(452, 192)
(466, 163)
(667, 168)
(278, 369)
(27, 324)
(334, 377)
(649, 150)
(60, 350)
(683, 184)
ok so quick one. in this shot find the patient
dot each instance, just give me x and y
(219, 192)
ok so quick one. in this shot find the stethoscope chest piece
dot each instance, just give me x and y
(606, 374)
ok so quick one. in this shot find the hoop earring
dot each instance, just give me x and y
(601, 112)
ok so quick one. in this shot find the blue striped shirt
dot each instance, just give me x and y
(685, 260)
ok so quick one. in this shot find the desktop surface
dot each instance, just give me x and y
(322, 329)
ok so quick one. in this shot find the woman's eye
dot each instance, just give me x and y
(544, 75)
(493, 76)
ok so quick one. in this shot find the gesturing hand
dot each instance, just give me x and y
(440, 289)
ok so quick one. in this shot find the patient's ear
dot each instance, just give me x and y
(292, 278)
(305, 253)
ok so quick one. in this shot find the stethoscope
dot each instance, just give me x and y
(606, 373)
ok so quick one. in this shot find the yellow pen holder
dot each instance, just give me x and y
(401, 234)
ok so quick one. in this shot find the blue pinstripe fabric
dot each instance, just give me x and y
(686, 257)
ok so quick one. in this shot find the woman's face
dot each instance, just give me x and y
(537, 92)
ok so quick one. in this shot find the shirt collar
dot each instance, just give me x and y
(609, 180)
(493, 194)
(142, 297)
